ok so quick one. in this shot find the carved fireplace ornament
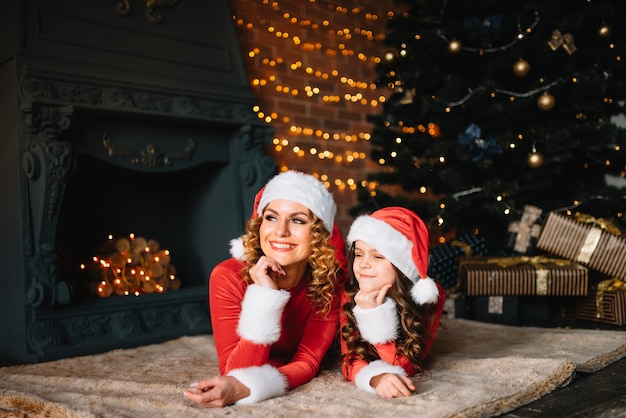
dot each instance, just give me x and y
(124, 8)
(152, 155)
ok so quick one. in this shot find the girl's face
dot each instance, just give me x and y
(371, 269)
(285, 232)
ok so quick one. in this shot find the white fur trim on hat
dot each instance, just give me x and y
(304, 189)
(264, 382)
(363, 377)
(378, 325)
(387, 240)
(425, 291)
(261, 312)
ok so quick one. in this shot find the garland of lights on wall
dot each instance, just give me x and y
(363, 92)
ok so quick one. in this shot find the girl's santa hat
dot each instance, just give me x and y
(402, 237)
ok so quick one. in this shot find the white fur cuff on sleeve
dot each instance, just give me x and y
(264, 382)
(363, 377)
(378, 325)
(261, 312)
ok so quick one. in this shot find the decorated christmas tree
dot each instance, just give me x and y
(494, 105)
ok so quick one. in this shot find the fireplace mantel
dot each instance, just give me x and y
(133, 91)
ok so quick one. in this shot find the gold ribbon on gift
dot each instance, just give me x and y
(593, 236)
(601, 223)
(607, 286)
(538, 262)
(566, 40)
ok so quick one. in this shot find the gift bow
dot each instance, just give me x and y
(599, 222)
(567, 41)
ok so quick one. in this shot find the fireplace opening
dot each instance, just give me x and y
(154, 177)
(102, 199)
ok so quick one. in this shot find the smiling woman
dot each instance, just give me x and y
(275, 304)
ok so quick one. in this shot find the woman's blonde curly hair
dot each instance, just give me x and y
(321, 286)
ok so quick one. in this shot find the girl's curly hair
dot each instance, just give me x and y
(324, 269)
(414, 321)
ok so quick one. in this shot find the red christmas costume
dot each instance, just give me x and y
(384, 324)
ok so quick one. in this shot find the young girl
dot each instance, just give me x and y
(391, 308)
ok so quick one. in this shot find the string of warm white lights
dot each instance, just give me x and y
(336, 8)
(291, 25)
(511, 94)
(310, 91)
(518, 37)
(340, 49)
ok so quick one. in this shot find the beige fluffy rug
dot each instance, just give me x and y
(475, 370)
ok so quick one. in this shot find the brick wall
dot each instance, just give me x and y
(331, 49)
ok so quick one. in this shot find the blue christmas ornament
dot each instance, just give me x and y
(478, 147)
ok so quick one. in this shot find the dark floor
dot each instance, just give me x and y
(589, 395)
(600, 394)
(596, 395)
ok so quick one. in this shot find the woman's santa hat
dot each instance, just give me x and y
(301, 188)
(402, 237)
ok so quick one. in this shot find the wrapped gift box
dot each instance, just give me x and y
(585, 243)
(523, 234)
(612, 309)
(516, 310)
(607, 303)
(522, 276)
(443, 261)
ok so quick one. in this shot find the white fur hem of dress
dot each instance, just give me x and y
(264, 382)
(261, 312)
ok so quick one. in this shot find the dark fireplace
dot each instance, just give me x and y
(122, 117)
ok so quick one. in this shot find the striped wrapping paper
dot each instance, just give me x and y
(584, 243)
(612, 309)
(522, 276)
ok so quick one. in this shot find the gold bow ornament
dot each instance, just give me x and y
(566, 41)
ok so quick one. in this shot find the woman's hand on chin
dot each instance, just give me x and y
(264, 272)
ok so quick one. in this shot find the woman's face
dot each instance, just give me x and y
(371, 269)
(285, 232)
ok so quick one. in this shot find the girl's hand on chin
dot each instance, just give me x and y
(369, 300)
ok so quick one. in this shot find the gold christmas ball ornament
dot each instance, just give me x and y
(546, 101)
(605, 31)
(534, 159)
(454, 47)
(521, 68)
